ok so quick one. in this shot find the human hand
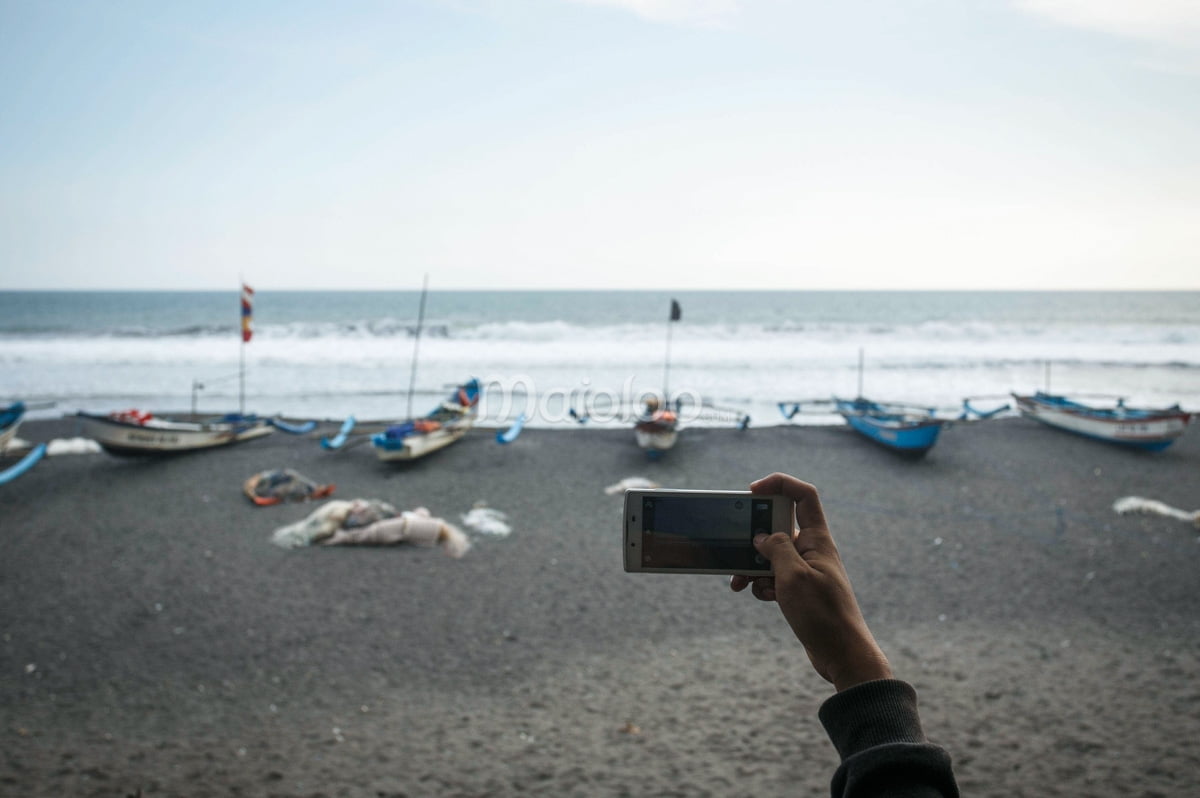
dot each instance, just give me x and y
(813, 591)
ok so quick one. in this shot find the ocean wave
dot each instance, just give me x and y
(880, 337)
(1021, 363)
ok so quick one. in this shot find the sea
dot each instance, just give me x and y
(544, 354)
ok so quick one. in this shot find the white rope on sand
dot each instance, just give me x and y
(1136, 504)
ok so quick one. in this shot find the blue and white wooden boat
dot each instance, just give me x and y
(418, 437)
(1149, 429)
(908, 430)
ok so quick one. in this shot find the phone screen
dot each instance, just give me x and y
(712, 532)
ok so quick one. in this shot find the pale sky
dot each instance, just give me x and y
(667, 144)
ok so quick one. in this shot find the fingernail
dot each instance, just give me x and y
(759, 538)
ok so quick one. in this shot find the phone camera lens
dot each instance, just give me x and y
(737, 505)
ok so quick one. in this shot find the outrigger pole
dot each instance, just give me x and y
(676, 315)
(412, 377)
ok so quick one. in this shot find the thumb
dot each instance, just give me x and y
(778, 548)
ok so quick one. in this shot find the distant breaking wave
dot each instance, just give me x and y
(866, 334)
(364, 329)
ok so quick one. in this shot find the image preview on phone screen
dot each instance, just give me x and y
(703, 532)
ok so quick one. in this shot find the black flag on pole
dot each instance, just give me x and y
(676, 311)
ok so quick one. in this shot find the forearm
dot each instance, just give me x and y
(877, 732)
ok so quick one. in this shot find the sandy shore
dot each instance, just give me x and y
(153, 639)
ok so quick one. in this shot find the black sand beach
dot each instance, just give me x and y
(154, 640)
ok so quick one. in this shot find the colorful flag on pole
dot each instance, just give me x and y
(247, 311)
(676, 311)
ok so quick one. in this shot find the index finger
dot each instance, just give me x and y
(808, 504)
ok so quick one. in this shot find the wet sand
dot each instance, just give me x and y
(153, 639)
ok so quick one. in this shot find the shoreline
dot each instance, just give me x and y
(176, 650)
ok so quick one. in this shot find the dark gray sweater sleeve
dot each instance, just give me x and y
(875, 728)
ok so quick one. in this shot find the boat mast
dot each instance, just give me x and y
(412, 377)
(676, 314)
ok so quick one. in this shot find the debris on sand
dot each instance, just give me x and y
(630, 483)
(371, 522)
(1136, 504)
(484, 520)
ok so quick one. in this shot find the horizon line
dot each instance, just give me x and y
(342, 290)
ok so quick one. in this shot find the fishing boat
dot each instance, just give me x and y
(656, 429)
(1150, 429)
(420, 436)
(906, 429)
(417, 437)
(135, 432)
(656, 416)
(656, 423)
(909, 430)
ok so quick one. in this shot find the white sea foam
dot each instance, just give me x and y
(545, 362)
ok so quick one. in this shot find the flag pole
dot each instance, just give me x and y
(242, 350)
(667, 364)
(247, 322)
(412, 377)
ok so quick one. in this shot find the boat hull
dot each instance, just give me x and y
(1148, 430)
(657, 440)
(6, 436)
(907, 434)
(414, 447)
(10, 420)
(166, 437)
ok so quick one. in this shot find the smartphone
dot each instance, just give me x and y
(701, 531)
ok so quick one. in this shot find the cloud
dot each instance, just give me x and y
(705, 13)
(1170, 22)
